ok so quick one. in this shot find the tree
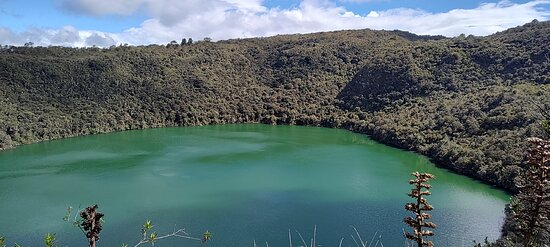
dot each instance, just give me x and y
(544, 110)
(546, 120)
(183, 41)
(546, 126)
(172, 43)
(190, 41)
(418, 207)
(533, 208)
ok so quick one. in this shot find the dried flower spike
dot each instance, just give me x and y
(418, 207)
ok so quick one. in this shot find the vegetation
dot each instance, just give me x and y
(485, 243)
(468, 103)
(534, 192)
(49, 240)
(90, 223)
(375, 241)
(528, 223)
(418, 208)
(151, 237)
(545, 124)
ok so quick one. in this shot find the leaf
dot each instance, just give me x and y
(206, 236)
(147, 226)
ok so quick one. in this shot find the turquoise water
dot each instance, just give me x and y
(241, 182)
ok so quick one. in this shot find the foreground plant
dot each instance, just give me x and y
(485, 243)
(49, 240)
(375, 241)
(312, 242)
(90, 223)
(206, 236)
(532, 209)
(418, 208)
(151, 237)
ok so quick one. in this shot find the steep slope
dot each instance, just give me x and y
(468, 103)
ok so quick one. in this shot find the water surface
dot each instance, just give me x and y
(241, 182)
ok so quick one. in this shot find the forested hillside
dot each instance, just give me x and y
(467, 102)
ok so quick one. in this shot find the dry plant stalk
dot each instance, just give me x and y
(91, 224)
(534, 192)
(421, 189)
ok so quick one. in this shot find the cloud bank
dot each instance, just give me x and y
(223, 19)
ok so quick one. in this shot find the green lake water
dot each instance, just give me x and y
(241, 182)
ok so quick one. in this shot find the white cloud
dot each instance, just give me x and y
(373, 14)
(65, 36)
(223, 19)
(99, 39)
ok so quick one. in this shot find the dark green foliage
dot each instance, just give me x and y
(466, 102)
(485, 243)
(545, 123)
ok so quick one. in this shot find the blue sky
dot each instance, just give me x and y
(22, 14)
(105, 22)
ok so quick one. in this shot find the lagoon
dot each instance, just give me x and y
(244, 183)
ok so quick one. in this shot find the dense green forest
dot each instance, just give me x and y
(468, 103)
